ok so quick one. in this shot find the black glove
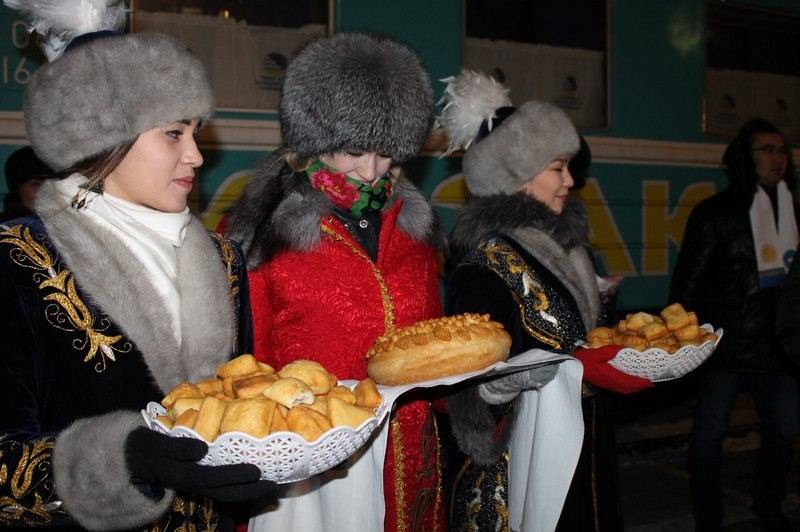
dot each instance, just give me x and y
(169, 462)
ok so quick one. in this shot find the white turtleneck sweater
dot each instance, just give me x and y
(152, 237)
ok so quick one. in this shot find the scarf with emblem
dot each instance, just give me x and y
(775, 245)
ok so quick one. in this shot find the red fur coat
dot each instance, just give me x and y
(319, 296)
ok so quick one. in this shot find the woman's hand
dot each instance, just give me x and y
(610, 283)
(597, 371)
(168, 462)
(505, 388)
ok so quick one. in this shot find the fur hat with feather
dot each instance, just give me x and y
(356, 92)
(105, 91)
(504, 146)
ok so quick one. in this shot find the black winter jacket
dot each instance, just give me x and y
(717, 277)
(788, 319)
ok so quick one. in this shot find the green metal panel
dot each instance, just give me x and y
(656, 70)
(19, 58)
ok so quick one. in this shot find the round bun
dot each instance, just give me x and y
(438, 348)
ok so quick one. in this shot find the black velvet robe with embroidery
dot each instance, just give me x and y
(476, 284)
(63, 359)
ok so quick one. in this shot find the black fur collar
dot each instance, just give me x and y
(281, 210)
(504, 213)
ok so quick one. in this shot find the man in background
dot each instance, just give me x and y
(732, 264)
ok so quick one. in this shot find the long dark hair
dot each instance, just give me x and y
(97, 167)
(739, 163)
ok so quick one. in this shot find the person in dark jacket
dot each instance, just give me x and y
(736, 249)
(113, 293)
(24, 175)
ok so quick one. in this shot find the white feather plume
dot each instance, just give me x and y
(60, 21)
(470, 98)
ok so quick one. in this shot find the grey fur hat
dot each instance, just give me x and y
(518, 149)
(109, 90)
(356, 92)
(505, 147)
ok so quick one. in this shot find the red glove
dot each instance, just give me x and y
(597, 371)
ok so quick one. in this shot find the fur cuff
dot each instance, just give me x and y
(474, 426)
(92, 477)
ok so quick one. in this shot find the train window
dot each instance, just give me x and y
(751, 68)
(245, 46)
(554, 50)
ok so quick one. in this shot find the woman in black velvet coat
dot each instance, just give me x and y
(112, 294)
(518, 252)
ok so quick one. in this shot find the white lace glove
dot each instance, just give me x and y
(505, 388)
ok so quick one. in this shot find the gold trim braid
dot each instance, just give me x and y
(229, 258)
(66, 311)
(27, 490)
(399, 476)
(388, 306)
(533, 331)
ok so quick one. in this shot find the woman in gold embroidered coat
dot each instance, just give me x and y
(518, 251)
(112, 294)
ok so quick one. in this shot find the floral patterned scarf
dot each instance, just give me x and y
(350, 194)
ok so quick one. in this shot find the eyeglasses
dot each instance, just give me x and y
(771, 149)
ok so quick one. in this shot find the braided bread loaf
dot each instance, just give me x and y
(437, 348)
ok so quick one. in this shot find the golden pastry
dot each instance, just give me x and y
(186, 418)
(252, 386)
(289, 392)
(312, 373)
(367, 394)
(687, 333)
(251, 416)
(344, 393)
(239, 366)
(209, 418)
(183, 390)
(675, 316)
(341, 413)
(300, 421)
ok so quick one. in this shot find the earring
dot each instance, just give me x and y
(79, 201)
(82, 198)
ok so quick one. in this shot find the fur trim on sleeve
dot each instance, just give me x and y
(474, 426)
(92, 476)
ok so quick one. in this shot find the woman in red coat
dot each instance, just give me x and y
(340, 249)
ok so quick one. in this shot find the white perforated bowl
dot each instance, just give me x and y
(658, 365)
(282, 456)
